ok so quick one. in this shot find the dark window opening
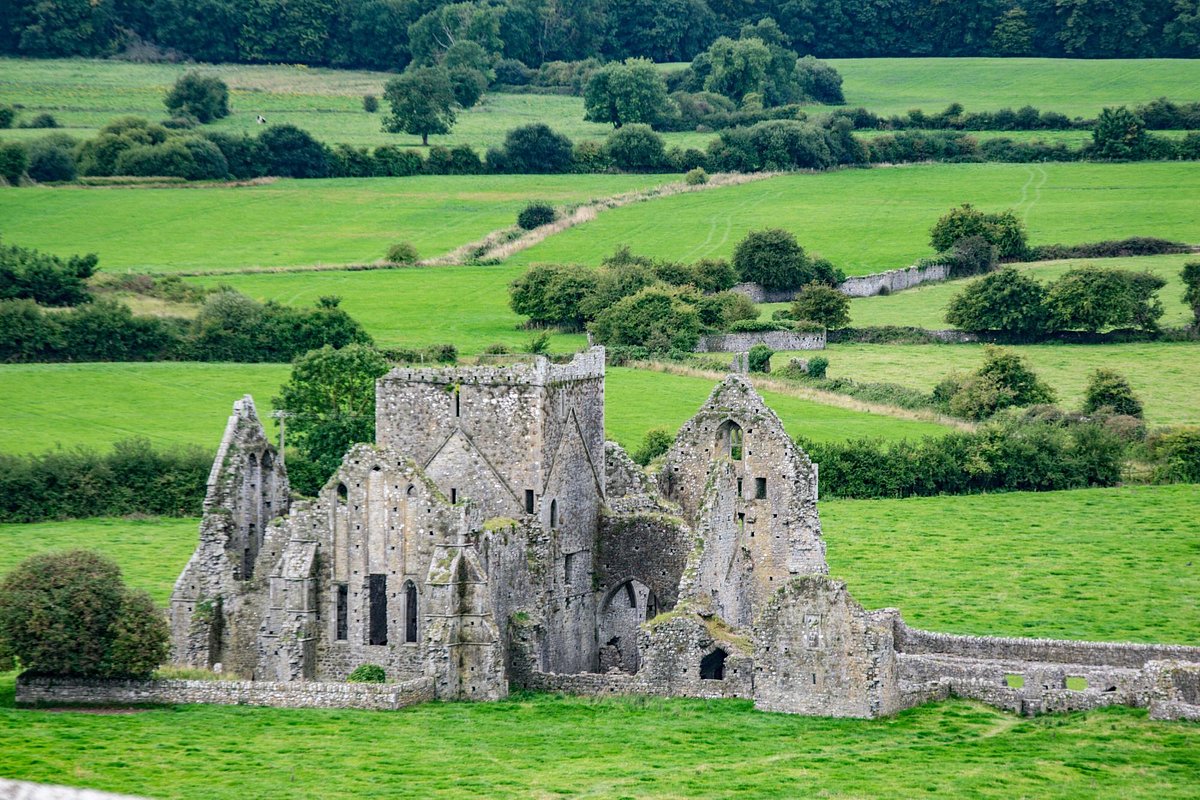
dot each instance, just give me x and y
(529, 501)
(342, 494)
(457, 403)
(454, 495)
(739, 487)
(651, 606)
(410, 612)
(712, 666)
(760, 488)
(553, 513)
(377, 591)
(568, 565)
(741, 522)
(343, 609)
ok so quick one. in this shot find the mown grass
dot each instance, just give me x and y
(869, 220)
(84, 95)
(467, 306)
(1166, 376)
(546, 746)
(925, 306)
(1117, 564)
(638, 400)
(150, 551)
(185, 403)
(51, 405)
(1074, 87)
(1105, 564)
(287, 222)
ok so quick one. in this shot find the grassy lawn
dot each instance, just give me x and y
(150, 551)
(84, 95)
(1075, 87)
(870, 220)
(544, 746)
(925, 306)
(188, 403)
(467, 306)
(287, 222)
(1104, 564)
(46, 405)
(638, 400)
(1166, 376)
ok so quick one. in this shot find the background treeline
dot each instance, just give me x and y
(1157, 115)
(389, 34)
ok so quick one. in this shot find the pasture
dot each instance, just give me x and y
(1099, 564)
(1166, 376)
(867, 220)
(287, 222)
(86, 94)
(548, 746)
(925, 306)
(183, 404)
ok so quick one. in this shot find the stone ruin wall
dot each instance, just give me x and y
(776, 340)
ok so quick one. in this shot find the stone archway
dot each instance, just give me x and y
(626, 606)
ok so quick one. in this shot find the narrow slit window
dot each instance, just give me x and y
(553, 513)
(760, 488)
(410, 612)
(343, 603)
(457, 402)
(454, 495)
(529, 501)
(377, 596)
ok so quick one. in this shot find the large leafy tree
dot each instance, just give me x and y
(625, 92)
(739, 67)
(1119, 135)
(1005, 301)
(1093, 298)
(1191, 293)
(329, 401)
(422, 101)
(437, 31)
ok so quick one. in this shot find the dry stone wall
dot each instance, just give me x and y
(776, 340)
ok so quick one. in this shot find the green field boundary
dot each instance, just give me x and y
(791, 389)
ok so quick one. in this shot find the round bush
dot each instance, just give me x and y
(204, 97)
(402, 253)
(535, 215)
(635, 148)
(50, 160)
(42, 120)
(69, 613)
(370, 103)
(368, 673)
(760, 358)
(696, 177)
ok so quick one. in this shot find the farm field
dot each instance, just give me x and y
(86, 94)
(467, 306)
(285, 222)
(1098, 564)
(870, 220)
(548, 746)
(1166, 376)
(925, 306)
(182, 404)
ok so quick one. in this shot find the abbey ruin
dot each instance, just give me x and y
(490, 538)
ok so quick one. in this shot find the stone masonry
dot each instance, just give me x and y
(491, 538)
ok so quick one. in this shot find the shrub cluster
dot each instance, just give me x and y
(955, 117)
(133, 478)
(27, 274)
(1087, 298)
(633, 301)
(775, 260)
(1003, 231)
(229, 327)
(1133, 246)
(69, 613)
(1010, 454)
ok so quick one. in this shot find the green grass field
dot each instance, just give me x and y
(1166, 376)
(543, 746)
(870, 220)
(287, 222)
(171, 403)
(467, 306)
(925, 306)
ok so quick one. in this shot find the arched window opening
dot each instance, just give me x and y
(410, 612)
(712, 666)
(377, 594)
(343, 494)
(651, 606)
(411, 491)
(729, 440)
(553, 513)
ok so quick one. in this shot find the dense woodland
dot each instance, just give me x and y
(390, 34)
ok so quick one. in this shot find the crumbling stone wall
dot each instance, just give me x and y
(776, 340)
(213, 608)
(817, 652)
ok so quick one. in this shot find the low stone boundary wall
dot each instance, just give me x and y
(1049, 651)
(38, 690)
(594, 684)
(776, 340)
(894, 280)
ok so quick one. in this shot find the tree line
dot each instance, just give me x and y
(390, 34)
